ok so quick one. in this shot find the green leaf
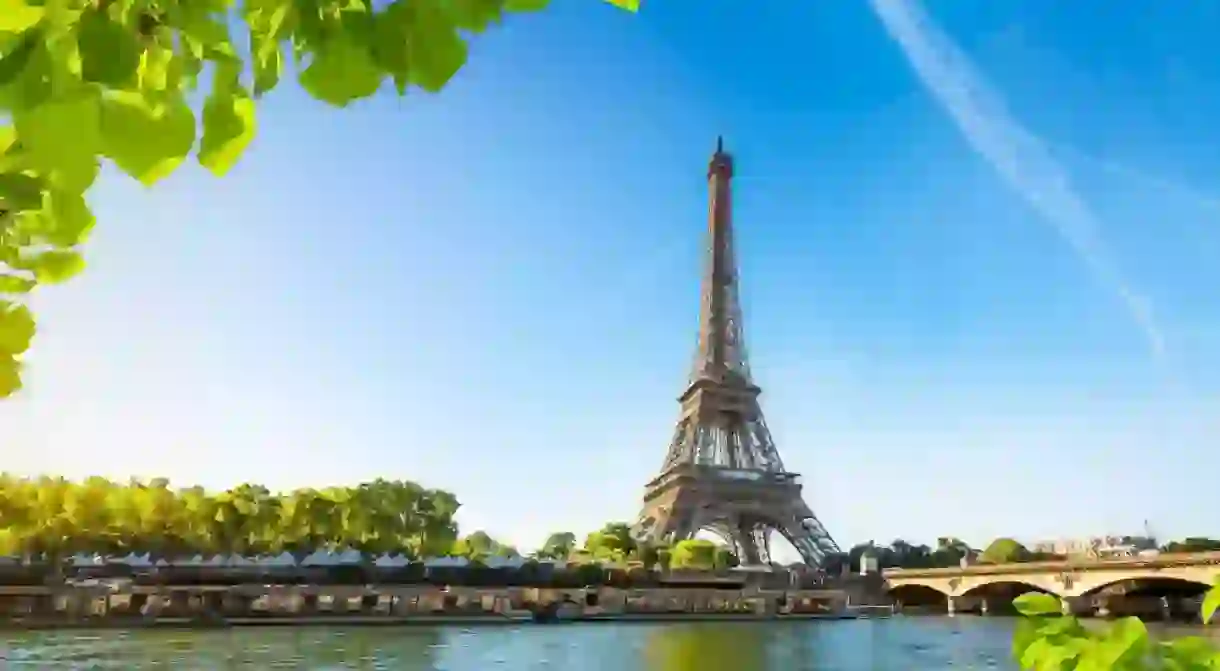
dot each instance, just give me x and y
(157, 72)
(30, 84)
(1125, 641)
(15, 284)
(71, 220)
(63, 138)
(341, 71)
(20, 192)
(18, 15)
(476, 15)
(16, 328)
(12, 64)
(109, 52)
(226, 76)
(1211, 602)
(203, 25)
(192, 61)
(228, 127)
(1024, 636)
(1036, 603)
(390, 44)
(10, 375)
(1190, 650)
(267, 64)
(1057, 626)
(1034, 652)
(629, 5)
(56, 266)
(435, 51)
(148, 142)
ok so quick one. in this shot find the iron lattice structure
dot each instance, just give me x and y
(722, 471)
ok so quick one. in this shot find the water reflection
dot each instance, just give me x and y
(897, 644)
(708, 647)
(408, 649)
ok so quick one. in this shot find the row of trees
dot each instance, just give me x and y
(50, 518)
(948, 552)
(614, 544)
(1193, 544)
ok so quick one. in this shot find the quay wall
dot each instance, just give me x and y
(254, 604)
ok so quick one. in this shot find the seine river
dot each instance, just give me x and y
(897, 644)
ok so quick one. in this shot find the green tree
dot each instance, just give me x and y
(558, 545)
(1004, 551)
(478, 546)
(723, 558)
(836, 563)
(950, 551)
(613, 543)
(901, 554)
(434, 511)
(695, 553)
(857, 552)
(87, 81)
(1193, 544)
(653, 555)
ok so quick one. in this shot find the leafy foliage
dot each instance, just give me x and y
(1048, 641)
(50, 518)
(614, 544)
(1193, 544)
(478, 546)
(557, 546)
(82, 81)
(1004, 551)
(949, 552)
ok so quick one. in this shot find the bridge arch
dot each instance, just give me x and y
(919, 585)
(1011, 585)
(919, 594)
(1038, 582)
(1166, 585)
(1201, 577)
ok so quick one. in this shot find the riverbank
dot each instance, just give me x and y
(136, 606)
(464, 621)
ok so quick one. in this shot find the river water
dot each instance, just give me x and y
(896, 644)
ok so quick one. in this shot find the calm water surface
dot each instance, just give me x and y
(898, 644)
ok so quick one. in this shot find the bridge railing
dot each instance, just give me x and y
(1159, 561)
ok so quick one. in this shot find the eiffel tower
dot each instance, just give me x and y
(722, 472)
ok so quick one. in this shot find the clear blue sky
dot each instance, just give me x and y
(494, 290)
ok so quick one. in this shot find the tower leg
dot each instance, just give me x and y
(751, 543)
(807, 535)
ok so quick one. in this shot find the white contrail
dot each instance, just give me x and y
(1021, 158)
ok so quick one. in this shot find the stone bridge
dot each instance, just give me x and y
(1069, 580)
